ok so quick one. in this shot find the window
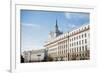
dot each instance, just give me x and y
(80, 55)
(86, 47)
(80, 42)
(85, 35)
(82, 48)
(85, 40)
(77, 42)
(77, 49)
(77, 37)
(83, 54)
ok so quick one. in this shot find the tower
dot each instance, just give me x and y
(57, 32)
(56, 27)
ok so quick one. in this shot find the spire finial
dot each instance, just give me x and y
(56, 24)
(56, 21)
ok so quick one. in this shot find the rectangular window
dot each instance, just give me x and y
(77, 42)
(77, 49)
(80, 42)
(82, 48)
(86, 47)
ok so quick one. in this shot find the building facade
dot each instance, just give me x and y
(72, 45)
(34, 55)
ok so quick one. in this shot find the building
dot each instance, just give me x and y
(26, 56)
(34, 55)
(72, 45)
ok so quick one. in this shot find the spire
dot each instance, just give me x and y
(56, 26)
(56, 23)
(56, 31)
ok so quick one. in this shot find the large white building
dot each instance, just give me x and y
(72, 45)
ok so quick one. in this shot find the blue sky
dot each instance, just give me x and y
(36, 25)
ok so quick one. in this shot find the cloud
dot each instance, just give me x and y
(68, 15)
(76, 15)
(67, 27)
(75, 19)
(31, 25)
(71, 25)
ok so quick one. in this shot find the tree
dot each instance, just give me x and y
(50, 58)
(22, 59)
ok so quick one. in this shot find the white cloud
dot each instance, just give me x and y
(71, 25)
(68, 15)
(31, 25)
(75, 15)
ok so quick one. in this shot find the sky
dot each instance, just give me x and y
(36, 25)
